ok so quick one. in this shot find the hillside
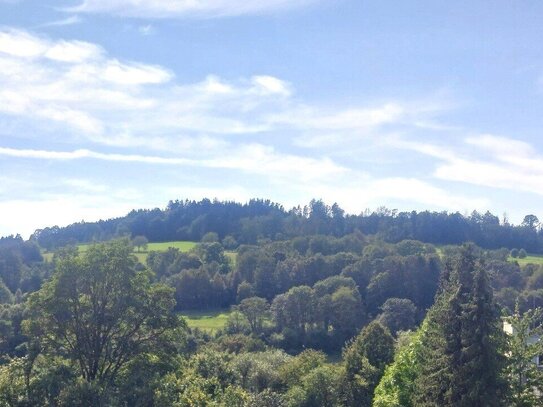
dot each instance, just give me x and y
(262, 219)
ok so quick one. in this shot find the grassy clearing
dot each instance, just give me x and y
(210, 321)
(232, 256)
(531, 259)
(182, 245)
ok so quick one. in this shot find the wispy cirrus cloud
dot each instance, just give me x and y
(251, 158)
(186, 8)
(86, 94)
(70, 20)
(486, 160)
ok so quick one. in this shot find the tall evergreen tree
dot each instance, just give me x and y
(463, 354)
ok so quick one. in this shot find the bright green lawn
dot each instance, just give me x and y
(210, 321)
(531, 259)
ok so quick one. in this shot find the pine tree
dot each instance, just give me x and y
(463, 346)
(477, 379)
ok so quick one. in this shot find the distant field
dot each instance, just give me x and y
(531, 259)
(183, 246)
(210, 321)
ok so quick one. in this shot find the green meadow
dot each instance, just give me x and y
(182, 245)
(530, 259)
(210, 321)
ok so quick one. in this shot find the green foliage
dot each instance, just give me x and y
(101, 311)
(397, 386)
(319, 387)
(262, 370)
(140, 242)
(245, 290)
(323, 287)
(463, 352)
(524, 350)
(6, 297)
(365, 360)
(413, 247)
(255, 310)
(210, 237)
(13, 390)
(230, 242)
(240, 343)
(141, 377)
(398, 314)
(83, 394)
(301, 365)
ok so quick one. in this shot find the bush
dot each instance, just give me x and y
(229, 242)
(210, 237)
(514, 253)
(522, 254)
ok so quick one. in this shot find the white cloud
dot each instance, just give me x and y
(186, 8)
(73, 51)
(70, 20)
(25, 216)
(124, 103)
(134, 74)
(146, 30)
(349, 119)
(253, 159)
(264, 84)
(21, 44)
(486, 160)
(415, 190)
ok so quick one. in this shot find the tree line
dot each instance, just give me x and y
(262, 219)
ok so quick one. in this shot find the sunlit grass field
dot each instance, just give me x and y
(531, 259)
(210, 321)
(182, 245)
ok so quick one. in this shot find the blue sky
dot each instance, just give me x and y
(109, 105)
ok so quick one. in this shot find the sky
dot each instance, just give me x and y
(111, 105)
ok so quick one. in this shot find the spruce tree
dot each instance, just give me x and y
(463, 347)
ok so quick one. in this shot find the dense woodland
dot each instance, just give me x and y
(261, 219)
(327, 309)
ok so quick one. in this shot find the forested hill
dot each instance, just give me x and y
(263, 219)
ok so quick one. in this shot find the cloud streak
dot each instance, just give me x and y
(70, 20)
(485, 160)
(254, 159)
(186, 8)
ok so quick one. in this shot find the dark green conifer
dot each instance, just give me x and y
(463, 352)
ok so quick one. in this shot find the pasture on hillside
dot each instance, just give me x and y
(182, 245)
(530, 259)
